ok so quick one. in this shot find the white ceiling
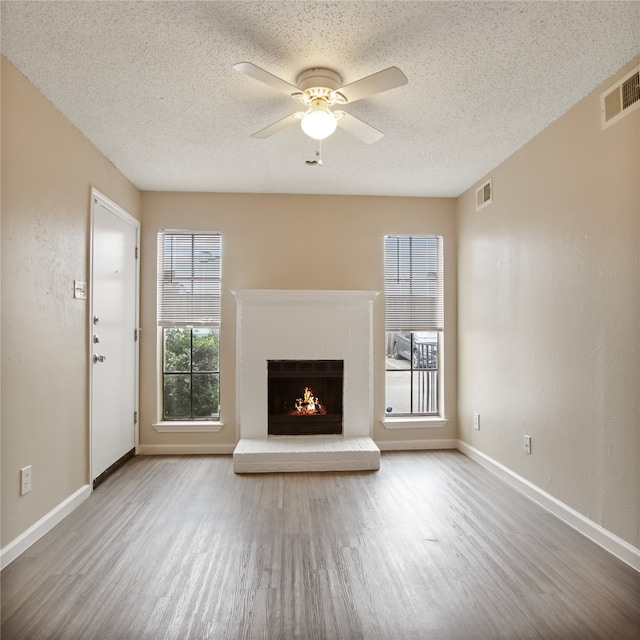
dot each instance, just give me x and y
(151, 84)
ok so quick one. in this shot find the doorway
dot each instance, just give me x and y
(113, 335)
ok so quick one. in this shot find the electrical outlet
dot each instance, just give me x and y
(476, 421)
(25, 480)
(527, 444)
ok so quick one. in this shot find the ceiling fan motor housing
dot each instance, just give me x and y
(319, 78)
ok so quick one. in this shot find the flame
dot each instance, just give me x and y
(308, 405)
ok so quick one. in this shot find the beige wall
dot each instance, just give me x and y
(48, 169)
(292, 242)
(549, 318)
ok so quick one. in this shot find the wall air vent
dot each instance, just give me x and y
(621, 99)
(484, 195)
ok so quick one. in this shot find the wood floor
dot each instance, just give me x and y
(432, 546)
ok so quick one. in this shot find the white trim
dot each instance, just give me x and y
(99, 198)
(188, 426)
(598, 534)
(20, 544)
(207, 231)
(184, 449)
(414, 445)
(413, 422)
(607, 540)
(294, 295)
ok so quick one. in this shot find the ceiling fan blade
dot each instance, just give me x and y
(250, 69)
(376, 83)
(359, 129)
(278, 126)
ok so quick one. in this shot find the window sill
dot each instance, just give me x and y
(417, 422)
(188, 426)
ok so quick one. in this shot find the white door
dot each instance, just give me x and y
(113, 333)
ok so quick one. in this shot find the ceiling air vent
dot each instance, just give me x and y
(621, 99)
(484, 195)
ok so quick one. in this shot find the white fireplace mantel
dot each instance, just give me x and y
(304, 295)
(291, 324)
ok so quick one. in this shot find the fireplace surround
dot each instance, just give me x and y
(295, 325)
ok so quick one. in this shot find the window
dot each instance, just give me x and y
(413, 285)
(189, 292)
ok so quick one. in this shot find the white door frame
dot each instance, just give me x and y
(99, 198)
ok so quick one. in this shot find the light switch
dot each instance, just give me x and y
(79, 289)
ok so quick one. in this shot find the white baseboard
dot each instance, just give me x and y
(226, 449)
(607, 540)
(414, 445)
(184, 449)
(9, 553)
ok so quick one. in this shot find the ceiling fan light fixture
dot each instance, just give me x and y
(319, 89)
(318, 123)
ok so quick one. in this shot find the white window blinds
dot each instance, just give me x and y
(413, 283)
(189, 278)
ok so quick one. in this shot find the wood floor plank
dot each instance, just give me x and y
(432, 546)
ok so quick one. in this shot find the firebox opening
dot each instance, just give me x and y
(305, 397)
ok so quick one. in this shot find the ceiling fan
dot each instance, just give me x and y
(319, 89)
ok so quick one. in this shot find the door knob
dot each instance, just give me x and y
(97, 358)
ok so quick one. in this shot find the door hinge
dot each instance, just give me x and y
(135, 417)
(135, 335)
(136, 253)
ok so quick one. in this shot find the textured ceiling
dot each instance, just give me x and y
(151, 84)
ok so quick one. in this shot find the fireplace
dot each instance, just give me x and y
(304, 397)
(300, 329)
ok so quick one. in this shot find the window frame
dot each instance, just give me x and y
(411, 307)
(202, 310)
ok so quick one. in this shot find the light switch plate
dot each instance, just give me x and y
(25, 480)
(80, 289)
